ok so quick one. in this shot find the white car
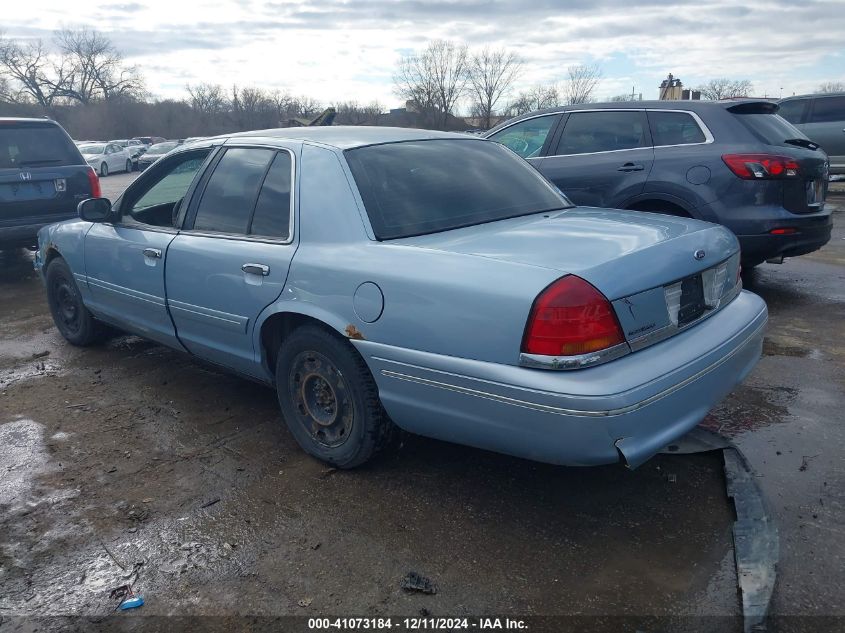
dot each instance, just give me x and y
(106, 158)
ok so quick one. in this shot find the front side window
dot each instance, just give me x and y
(526, 138)
(154, 196)
(417, 187)
(674, 128)
(828, 110)
(588, 132)
(230, 195)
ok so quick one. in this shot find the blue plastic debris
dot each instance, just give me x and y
(132, 602)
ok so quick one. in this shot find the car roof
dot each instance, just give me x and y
(812, 96)
(348, 136)
(20, 119)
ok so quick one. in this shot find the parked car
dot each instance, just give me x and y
(135, 148)
(106, 157)
(822, 118)
(150, 140)
(42, 179)
(385, 277)
(735, 162)
(154, 152)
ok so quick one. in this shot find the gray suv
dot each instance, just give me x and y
(822, 118)
(736, 163)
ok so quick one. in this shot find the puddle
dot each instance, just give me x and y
(749, 408)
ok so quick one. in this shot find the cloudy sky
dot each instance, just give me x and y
(347, 50)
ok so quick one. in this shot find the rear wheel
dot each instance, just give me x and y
(329, 399)
(104, 170)
(70, 315)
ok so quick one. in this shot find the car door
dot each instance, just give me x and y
(826, 126)
(111, 158)
(231, 258)
(125, 259)
(601, 158)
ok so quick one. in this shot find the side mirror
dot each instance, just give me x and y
(94, 209)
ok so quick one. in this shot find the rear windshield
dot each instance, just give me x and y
(162, 148)
(770, 129)
(92, 149)
(416, 187)
(35, 145)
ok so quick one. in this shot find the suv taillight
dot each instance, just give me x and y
(94, 181)
(761, 166)
(570, 318)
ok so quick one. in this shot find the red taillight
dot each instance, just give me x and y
(94, 181)
(569, 318)
(786, 231)
(761, 166)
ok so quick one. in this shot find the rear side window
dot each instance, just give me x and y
(272, 211)
(229, 198)
(587, 132)
(674, 128)
(770, 129)
(416, 187)
(793, 110)
(828, 110)
(35, 145)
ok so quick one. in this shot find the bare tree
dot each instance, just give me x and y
(536, 98)
(207, 98)
(725, 88)
(832, 86)
(351, 113)
(94, 67)
(31, 68)
(435, 79)
(491, 76)
(582, 83)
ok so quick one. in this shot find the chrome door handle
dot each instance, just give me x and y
(154, 253)
(256, 269)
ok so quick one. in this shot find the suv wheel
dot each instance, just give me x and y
(329, 399)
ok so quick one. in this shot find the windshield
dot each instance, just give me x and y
(121, 143)
(33, 145)
(416, 187)
(92, 149)
(161, 148)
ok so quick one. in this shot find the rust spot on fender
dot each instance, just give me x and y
(354, 333)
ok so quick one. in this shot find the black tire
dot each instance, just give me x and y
(329, 399)
(129, 166)
(72, 318)
(104, 170)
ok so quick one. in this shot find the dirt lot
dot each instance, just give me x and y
(129, 460)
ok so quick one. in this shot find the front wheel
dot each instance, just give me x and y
(329, 398)
(128, 166)
(70, 315)
(104, 170)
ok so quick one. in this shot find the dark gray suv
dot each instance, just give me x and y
(736, 163)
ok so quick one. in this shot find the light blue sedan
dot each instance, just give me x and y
(385, 279)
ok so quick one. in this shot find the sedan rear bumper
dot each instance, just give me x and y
(627, 409)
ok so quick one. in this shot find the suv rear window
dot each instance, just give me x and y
(674, 128)
(417, 187)
(35, 145)
(770, 129)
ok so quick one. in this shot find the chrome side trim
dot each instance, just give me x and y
(536, 406)
(592, 359)
(126, 292)
(207, 316)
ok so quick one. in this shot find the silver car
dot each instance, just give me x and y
(106, 158)
(822, 118)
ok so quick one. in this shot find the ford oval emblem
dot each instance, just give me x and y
(699, 254)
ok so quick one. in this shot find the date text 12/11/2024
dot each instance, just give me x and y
(416, 624)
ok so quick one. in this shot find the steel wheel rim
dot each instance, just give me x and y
(66, 305)
(321, 399)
